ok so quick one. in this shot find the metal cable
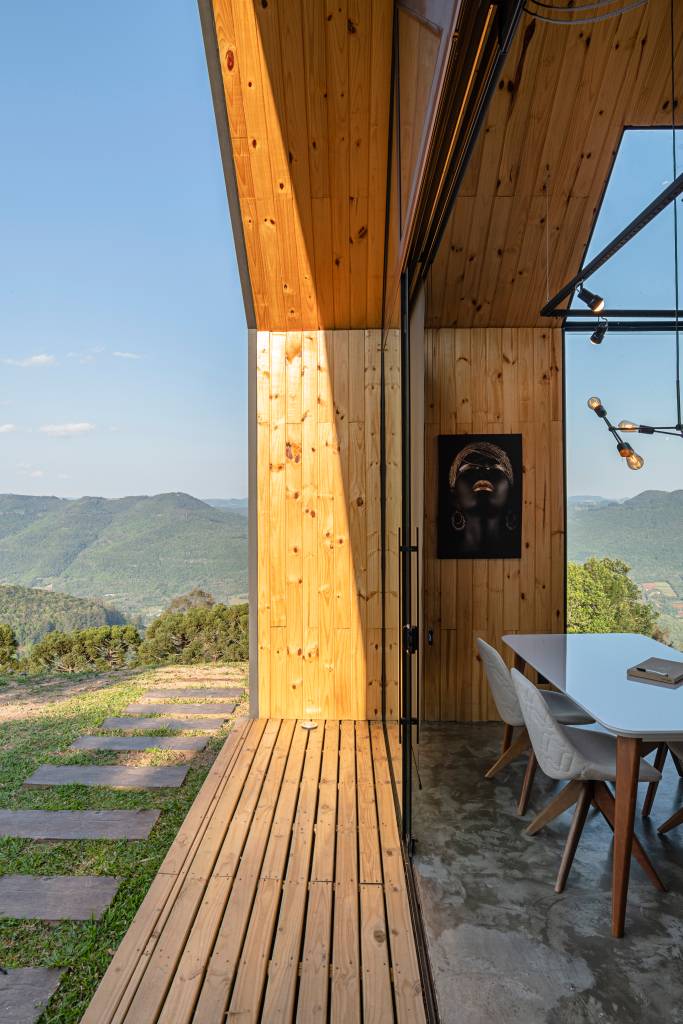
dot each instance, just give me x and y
(570, 8)
(586, 21)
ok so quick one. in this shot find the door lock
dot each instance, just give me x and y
(410, 639)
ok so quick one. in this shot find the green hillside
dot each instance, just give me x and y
(135, 553)
(646, 533)
(33, 613)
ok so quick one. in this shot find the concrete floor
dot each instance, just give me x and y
(503, 946)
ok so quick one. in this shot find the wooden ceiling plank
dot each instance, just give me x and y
(607, 115)
(272, 77)
(315, 65)
(291, 32)
(495, 251)
(273, 270)
(594, 90)
(288, 256)
(254, 99)
(521, 79)
(227, 51)
(360, 62)
(252, 244)
(380, 82)
(337, 51)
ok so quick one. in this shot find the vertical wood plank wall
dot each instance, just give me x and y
(493, 380)
(319, 530)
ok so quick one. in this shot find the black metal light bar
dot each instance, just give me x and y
(625, 326)
(627, 313)
(670, 193)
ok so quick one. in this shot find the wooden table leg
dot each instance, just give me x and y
(628, 766)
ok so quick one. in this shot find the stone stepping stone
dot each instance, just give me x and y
(56, 897)
(224, 710)
(114, 776)
(77, 824)
(194, 692)
(201, 724)
(139, 743)
(25, 992)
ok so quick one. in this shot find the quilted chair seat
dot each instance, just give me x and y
(565, 752)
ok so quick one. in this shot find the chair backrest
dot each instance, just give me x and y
(498, 675)
(555, 752)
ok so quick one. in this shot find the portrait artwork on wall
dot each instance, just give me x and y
(480, 496)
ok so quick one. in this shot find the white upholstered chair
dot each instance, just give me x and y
(561, 707)
(676, 751)
(586, 760)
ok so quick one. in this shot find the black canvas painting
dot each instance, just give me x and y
(480, 496)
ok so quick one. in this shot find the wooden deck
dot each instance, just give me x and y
(282, 898)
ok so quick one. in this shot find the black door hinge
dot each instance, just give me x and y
(410, 639)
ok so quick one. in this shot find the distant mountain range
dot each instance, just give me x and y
(645, 531)
(134, 553)
(240, 505)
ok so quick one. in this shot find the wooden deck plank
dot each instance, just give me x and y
(405, 969)
(225, 959)
(77, 824)
(345, 1004)
(56, 897)
(154, 985)
(25, 992)
(181, 710)
(111, 775)
(129, 962)
(186, 985)
(283, 897)
(377, 999)
(283, 972)
(139, 743)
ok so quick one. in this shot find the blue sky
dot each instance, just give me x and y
(633, 374)
(122, 333)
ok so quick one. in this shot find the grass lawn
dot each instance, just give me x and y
(36, 727)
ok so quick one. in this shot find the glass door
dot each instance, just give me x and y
(410, 546)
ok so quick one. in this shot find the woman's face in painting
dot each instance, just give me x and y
(481, 483)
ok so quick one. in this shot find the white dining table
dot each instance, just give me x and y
(591, 668)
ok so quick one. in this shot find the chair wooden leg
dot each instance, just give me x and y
(531, 766)
(678, 763)
(575, 830)
(604, 801)
(507, 738)
(672, 822)
(560, 803)
(517, 748)
(660, 758)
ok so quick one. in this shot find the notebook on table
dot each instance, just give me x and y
(660, 671)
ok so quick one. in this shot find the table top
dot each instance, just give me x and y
(591, 668)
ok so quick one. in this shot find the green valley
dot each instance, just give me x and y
(134, 553)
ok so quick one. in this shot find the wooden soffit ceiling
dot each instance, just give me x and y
(306, 85)
(543, 157)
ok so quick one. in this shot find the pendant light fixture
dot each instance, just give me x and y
(596, 304)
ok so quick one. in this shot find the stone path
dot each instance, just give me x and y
(77, 824)
(193, 692)
(130, 723)
(114, 776)
(56, 897)
(25, 992)
(224, 710)
(139, 743)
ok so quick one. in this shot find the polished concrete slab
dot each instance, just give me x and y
(503, 945)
